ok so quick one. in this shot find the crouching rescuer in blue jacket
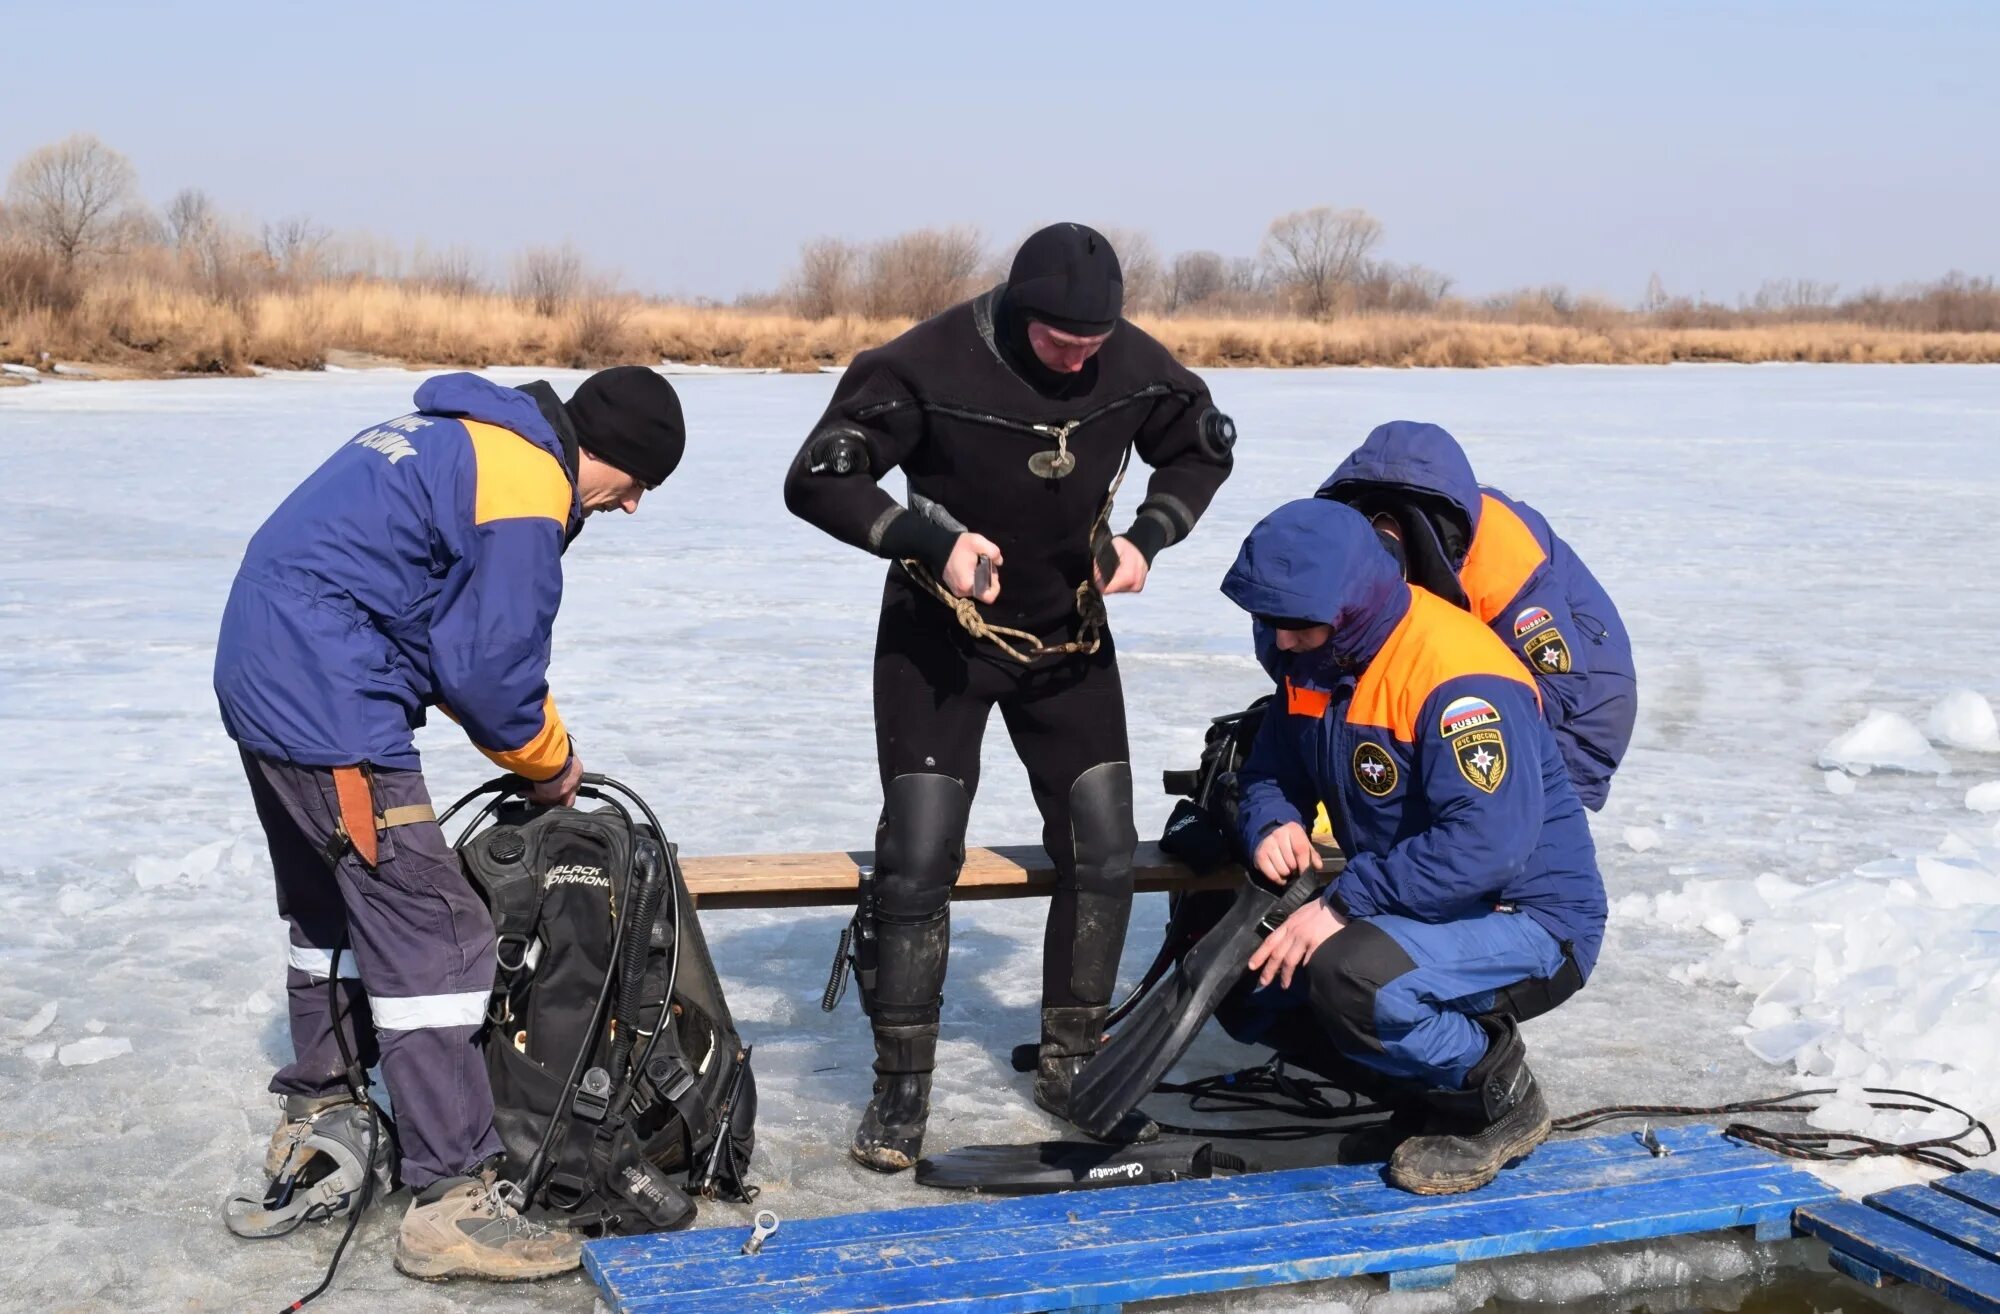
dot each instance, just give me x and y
(1471, 898)
(420, 566)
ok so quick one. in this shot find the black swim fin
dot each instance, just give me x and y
(1159, 1030)
(1049, 1166)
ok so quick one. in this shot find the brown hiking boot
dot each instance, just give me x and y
(1498, 1117)
(294, 1125)
(459, 1227)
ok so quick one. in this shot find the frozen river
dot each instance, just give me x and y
(1790, 546)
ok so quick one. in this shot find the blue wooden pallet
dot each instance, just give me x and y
(1102, 1248)
(1945, 1236)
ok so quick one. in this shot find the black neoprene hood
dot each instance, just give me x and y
(1067, 276)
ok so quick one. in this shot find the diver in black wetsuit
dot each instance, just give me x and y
(1012, 416)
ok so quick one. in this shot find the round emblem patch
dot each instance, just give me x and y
(1374, 769)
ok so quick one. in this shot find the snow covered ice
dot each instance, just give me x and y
(713, 653)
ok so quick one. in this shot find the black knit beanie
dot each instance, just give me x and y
(629, 417)
(1067, 277)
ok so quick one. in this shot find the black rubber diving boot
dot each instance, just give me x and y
(907, 998)
(891, 1135)
(1499, 1116)
(1088, 936)
(900, 961)
(1069, 1037)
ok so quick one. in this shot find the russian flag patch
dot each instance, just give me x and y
(1466, 714)
(1530, 618)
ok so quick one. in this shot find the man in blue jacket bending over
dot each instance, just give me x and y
(1471, 897)
(420, 566)
(1497, 558)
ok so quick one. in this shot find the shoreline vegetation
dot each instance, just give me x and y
(93, 278)
(148, 331)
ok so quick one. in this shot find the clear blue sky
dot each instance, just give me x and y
(690, 148)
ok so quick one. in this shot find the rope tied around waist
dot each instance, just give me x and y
(1022, 646)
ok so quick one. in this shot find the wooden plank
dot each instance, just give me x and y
(1977, 1187)
(1137, 1243)
(1083, 1238)
(1434, 1278)
(807, 880)
(1889, 1246)
(1942, 1215)
(1866, 1274)
(1773, 1229)
(1297, 1252)
(1591, 1157)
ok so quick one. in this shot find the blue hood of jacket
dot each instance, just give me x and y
(1320, 560)
(1410, 454)
(464, 396)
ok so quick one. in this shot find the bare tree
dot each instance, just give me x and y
(1139, 264)
(1246, 276)
(454, 271)
(190, 218)
(294, 245)
(600, 325)
(1656, 295)
(919, 273)
(1315, 253)
(1382, 286)
(72, 198)
(1194, 277)
(1794, 298)
(548, 278)
(824, 285)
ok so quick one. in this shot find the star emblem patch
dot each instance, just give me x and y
(1547, 651)
(1482, 759)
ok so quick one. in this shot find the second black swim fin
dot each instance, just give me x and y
(1049, 1166)
(1159, 1030)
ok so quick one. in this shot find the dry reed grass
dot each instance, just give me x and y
(154, 325)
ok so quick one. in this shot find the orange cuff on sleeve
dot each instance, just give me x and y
(544, 755)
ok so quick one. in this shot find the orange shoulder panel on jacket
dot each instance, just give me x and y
(513, 479)
(1504, 553)
(1433, 643)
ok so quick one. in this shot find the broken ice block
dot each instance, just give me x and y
(1883, 740)
(1780, 1044)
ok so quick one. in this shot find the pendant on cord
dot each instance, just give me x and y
(1060, 462)
(1051, 465)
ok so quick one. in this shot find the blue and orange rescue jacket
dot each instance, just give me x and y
(420, 565)
(1529, 587)
(1419, 731)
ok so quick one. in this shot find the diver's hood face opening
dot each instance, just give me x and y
(1061, 352)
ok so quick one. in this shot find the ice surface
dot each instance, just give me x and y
(1984, 798)
(1964, 719)
(1883, 740)
(1839, 782)
(1641, 839)
(40, 1022)
(96, 1049)
(134, 888)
